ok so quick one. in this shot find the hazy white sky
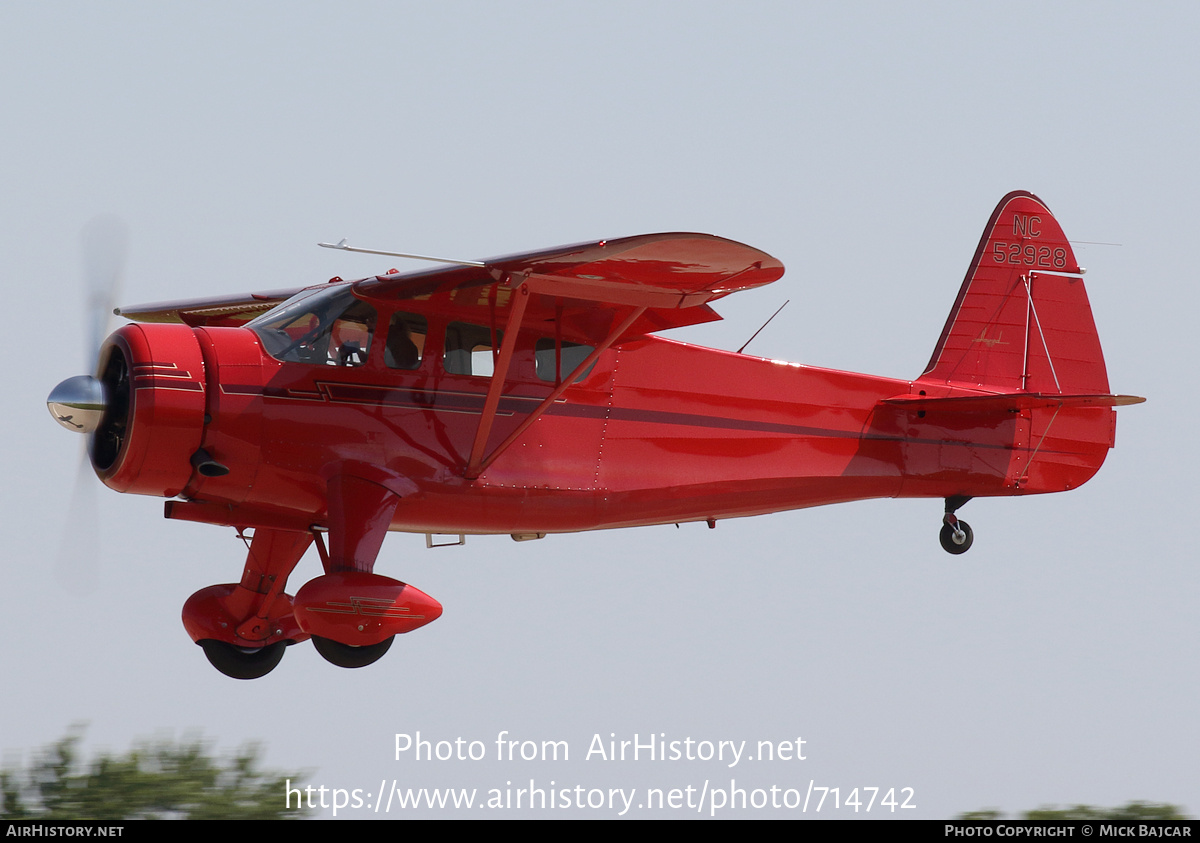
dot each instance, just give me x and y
(864, 145)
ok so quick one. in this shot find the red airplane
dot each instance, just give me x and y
(528, 394)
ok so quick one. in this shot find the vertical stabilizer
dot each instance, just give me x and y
(1022, 322)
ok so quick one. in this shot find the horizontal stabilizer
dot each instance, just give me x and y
(1009, 402)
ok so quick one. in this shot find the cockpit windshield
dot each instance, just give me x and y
(323, 327)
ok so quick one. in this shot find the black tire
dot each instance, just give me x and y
(947, 538)
(242, 662)
(347, 655)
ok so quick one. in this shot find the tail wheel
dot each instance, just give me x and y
(347, 655)
(242, 662)
(956, 540)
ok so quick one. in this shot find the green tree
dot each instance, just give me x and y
(155, 780)
(1130, 811)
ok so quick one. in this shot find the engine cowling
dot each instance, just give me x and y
(154, 387)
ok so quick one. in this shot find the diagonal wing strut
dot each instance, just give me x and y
(477, 464)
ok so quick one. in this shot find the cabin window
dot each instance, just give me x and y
(570, 356)
(405, 346)
(470, 349)
(328, 327)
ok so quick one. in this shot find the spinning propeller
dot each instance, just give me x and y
(79, 402)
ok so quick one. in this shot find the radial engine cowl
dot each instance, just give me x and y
(153, 380)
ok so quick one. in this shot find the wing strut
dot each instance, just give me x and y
(476, 466)
(499, 375)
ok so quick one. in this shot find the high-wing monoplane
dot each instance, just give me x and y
(529, 395)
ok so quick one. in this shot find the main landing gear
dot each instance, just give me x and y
(956, 535)
(350, 613)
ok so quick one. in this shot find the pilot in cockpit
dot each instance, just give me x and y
(349, 343)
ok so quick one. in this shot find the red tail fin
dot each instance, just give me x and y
(1022, 321)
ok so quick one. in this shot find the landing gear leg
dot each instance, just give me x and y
(244, 627)
(956, 535)
(351, 612)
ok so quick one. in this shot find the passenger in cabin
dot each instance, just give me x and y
(400, 352)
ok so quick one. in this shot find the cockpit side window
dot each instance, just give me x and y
(469, 350)
(327, 328)
(554, 364)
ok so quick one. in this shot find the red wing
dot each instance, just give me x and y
(652, 270)
(218, 310)
(585, 288)
(588, 287)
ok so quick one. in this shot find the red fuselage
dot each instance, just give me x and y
(658, 432)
